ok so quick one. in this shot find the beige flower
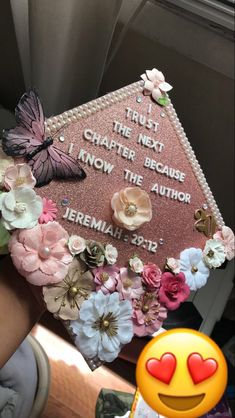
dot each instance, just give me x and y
(132, 208)
(5, 162)
(65, 298)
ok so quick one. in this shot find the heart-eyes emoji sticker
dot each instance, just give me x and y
(181, 373)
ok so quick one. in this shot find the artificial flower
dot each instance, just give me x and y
(104, 326)
(129, 285)
(132, 208)
(173, 265)
(4, 239)
(5, 162)
(226, 236)
(155, 85)
(106, 278)
(94, 254)
(148, 315)
(152, 276)
(19, 175)
(173, 290)
(136, 265)
(64, 299)
(214, 253)
(111, 254)
(49, 211)
(76, 244)
(41, 254)
(20, 207)
(195, 270)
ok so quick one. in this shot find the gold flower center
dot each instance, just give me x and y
(210, 253)
(73, 291)
(127, 283)
(107, 323)
(130, 209)
(194, 269)
(19, 181)
(104, 277)
(145, 308)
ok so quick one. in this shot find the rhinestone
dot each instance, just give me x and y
(161, 241)
(204, 206)
(61, 138)
(65, 201)
(139, 99)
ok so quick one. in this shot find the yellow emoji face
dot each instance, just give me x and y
(181, 373)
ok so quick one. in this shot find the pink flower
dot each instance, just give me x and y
(148, 315)
(19, 175)
(226, 235)
(173, 290)
(152, 276)
(155, 84)
(49, 211)
(129, 285)
(40, 254)
(106, 278)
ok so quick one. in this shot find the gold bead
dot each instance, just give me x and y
(105, 323)
(145, 308)
(210, 254)
(194, 269)
(73, 291)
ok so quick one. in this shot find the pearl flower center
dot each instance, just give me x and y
(130, 209)
(20, 207)
(44, 252)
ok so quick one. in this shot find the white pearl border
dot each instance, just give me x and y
(194, 163)
(55, 123)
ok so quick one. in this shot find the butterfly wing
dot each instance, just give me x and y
(30, 129)
(52, 163)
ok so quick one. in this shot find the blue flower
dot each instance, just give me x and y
(194, 268)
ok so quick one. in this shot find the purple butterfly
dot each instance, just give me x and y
(28, 140)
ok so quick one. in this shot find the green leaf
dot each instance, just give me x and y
(163, 101)
(4, 239)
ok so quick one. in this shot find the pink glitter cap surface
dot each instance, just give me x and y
(172, 225)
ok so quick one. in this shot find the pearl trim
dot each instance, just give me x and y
(170, 110)
(57, 122)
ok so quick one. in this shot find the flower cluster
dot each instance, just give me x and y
(105, 304)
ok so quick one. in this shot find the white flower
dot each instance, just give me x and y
(136, 264)
(21, 208)
(111, 254)
(154, 84)
(76, 244)
(5, 161)
(226, 236)
(214, 253)
(194, 268)
(173, 265)
(104, 326)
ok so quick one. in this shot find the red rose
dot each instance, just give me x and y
(152, 275)
(173, 290)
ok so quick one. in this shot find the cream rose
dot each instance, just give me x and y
(132, 208)
(136, 264)
(76, 244)
(111, 254)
